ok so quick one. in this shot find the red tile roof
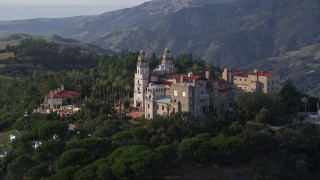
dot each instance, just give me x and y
(236, 70)
(171, 75)
(63, 94)
(191, 78)
(163, 82)
(136, 114)
(264, 73)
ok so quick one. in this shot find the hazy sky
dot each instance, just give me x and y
(25, 9)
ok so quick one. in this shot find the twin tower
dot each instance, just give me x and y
(142, 75)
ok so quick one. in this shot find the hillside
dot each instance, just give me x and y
(15, 39)
(21, 54)
(40, 26)
(302, 66)
(236, 33)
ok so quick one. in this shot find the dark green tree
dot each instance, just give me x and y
(48, 152)
(38, 172)
(74, 157)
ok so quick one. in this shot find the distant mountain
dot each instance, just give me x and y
(139, 16)
(40, 26)
(237, 34)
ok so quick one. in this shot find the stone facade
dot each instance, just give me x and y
(262, 81)
(187, 93)
(164, 92)
(141, 80)
(170, 92)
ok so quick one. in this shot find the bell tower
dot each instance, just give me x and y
(167, 60)
(141, 80)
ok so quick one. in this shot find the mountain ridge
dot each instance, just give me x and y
(236, 33)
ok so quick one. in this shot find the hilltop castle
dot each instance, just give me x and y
(162, 91)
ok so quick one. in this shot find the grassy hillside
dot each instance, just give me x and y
(14, 39)
(6, 55)
(22, 54)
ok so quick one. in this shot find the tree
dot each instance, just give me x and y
(291, 97)
(46, 130)
(122, 138)
(38, 172)
(229, 149)
(188, 147)
(134, 162)
(74, 157)
(87, 172)
(263, 116)
(66, 173)
(98, 147)
(19, 167)
(48, 152)
(261, 106)
(168, 156)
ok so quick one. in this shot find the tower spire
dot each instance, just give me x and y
(167, 59)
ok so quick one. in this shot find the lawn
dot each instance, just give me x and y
(5, 138)
(6, 55)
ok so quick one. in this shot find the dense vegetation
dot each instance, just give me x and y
(105, 146)
(38, 54)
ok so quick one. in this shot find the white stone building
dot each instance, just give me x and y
(141, 80)
(168, 92)
(58, 97)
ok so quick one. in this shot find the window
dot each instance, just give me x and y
(173, 110)
(175, 93)
(148, 106)
(184, 94)
(162, 107)
(148, 115)
(157, 106)
(174, 100)
(235, 78)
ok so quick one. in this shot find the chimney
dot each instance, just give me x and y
(190, 74)
(181, 79)
(208, 75)
(59, 89)
(62, 87)
(55, 91)
(51, 94)
(255, 70)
